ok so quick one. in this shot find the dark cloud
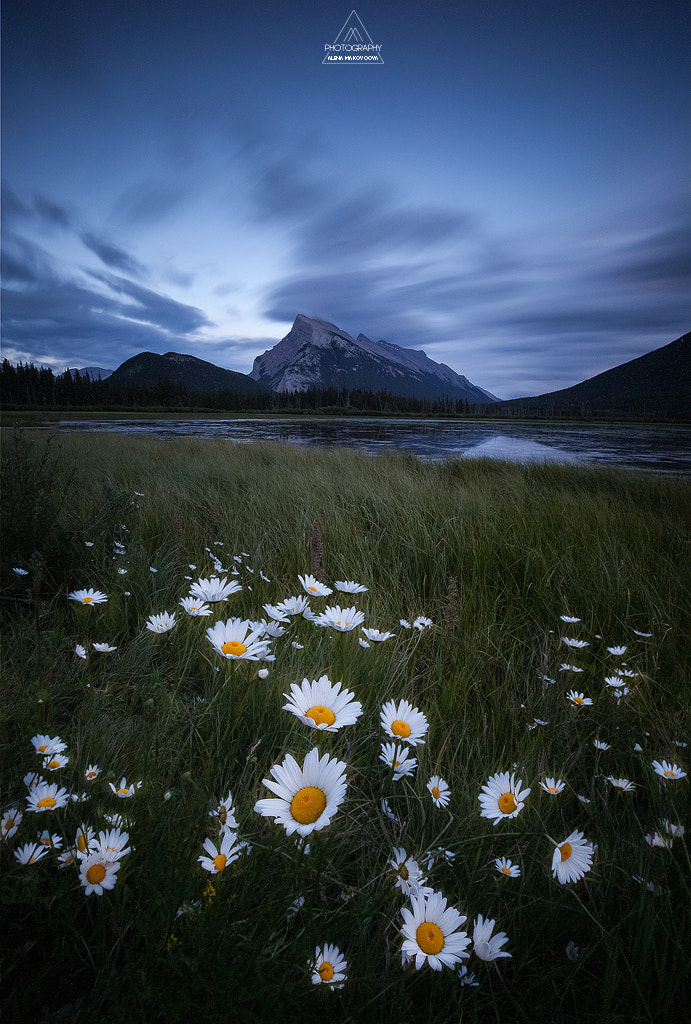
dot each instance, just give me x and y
(153, 308)
(13, 208)
(52, 213)
(148, 202)
(282, 190)
(24, 262)
(112, 255)
(662, 260)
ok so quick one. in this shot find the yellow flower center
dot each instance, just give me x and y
(9, 824)
(313, 589)
(403, 872)
(400, 728)
(436, 793)
(670, 775)
(47, 801)
(507, 871)
(507, 803)
(53, 764)
(81, 843)
(321, 715)
(326, 971)
(42, 749)
(124, 792)
(220, 862)
(308, 804)
(233, 647)
(553, 789)
(429, 937)
(87, 600)
(578, 700)
(95, 874)
(565, 851)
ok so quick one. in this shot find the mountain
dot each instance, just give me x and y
(653, 386)
(95, 372)
(186, 371)
(315, 353)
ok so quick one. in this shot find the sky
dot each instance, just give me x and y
(507, 188)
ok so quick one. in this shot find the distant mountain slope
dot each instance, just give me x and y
(655, 385)
(187, 371)
(95, 372)
(316, 353)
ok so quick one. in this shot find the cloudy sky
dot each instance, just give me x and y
(509, 190)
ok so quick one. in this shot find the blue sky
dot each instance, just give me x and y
(509, 191)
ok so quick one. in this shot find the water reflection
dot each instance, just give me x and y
(657, 449)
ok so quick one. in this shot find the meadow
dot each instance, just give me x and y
(528, 583)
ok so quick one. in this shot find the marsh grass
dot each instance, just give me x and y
(494, 554)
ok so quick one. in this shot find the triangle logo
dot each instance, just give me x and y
(353, 44)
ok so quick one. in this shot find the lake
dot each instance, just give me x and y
(651, 448)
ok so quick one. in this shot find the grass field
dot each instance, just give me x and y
(495, 555)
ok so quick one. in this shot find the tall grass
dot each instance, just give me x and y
(494, 554)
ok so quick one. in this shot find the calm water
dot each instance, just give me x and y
(656, 449)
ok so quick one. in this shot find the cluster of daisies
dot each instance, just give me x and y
(97, 857)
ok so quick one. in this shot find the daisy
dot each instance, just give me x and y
(624, 784)
(617, 650)
(409, 878)
(54, 761)
(214, 589)
(112, 844)
(467, 977)
(274, 612)
(572, 859)
(340, 619)
(161, 623)
(655, 839)
(348, 587)
(46, 797)
(363, 643)
(431, 932)
(642, 634)
(601, 745)
(321, 704)
(48, 745)
(122, 572)
(377, 635)
(83, 839)
(32, 779)
(103, 648)
(123, 790)
(66, 858)
(225, 814)
(313, 586)
(97, 873)
(578, 698)
(30, 853)
(537, 722)
(485, 945)
(439, 790)
(448, 856)
(293, 605)
(89, 596)
(552, 786)
(235, 639)
(21, 572)
(53, 841)
(80, 651)
(569, 618)
(306, 798)
(668, 771)
(219, 858)
(421, 622)
(502, 797)
(574, 643)
(397, 758)
(672, 829)
(92, 772)
(11, 820)
(571, 668)
(404, 623)
(386, 809)
(193, 606)
(403, 722)
(329, 967)
(507, 867)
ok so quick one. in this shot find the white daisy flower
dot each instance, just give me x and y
(506, 867)
(571, 668)
(11, 820)
(431, 933)
(96, 873)
(89, 596)
(486, 945)
(30, 853)
(601, 745)
(314, 587)
(193, 606)
(502, 797)
(668, 771)
(111, 844)
(340, 619)
(363, 643)
(92, 772)
(377, 635)
(80, 651)
(218, 858)
(104, 648)
(225, 814)
(403, 722)
(569, 618)
(623, 784)
(329, 967)
(21, 572)
(439, 790)
(404, 623)
(274, 612)
(125, 791)
(235, 639)
(48, 745)
(46, 797)
(642, 634)
(578, 698)
(409, 877)
(397, 758)
(53, 841)
(67, 858)
(570, 642)
(122, 572)
(83, 839)
(54, 761)
(306, 798)
(161, 623)
(553, 786)
(655, 839)
(321, 704)
(348, 587)
(422, 622)
(214, 589)
(617, 650)
(672, 829)
(572, 859)
(467, 977)
(293, 605)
